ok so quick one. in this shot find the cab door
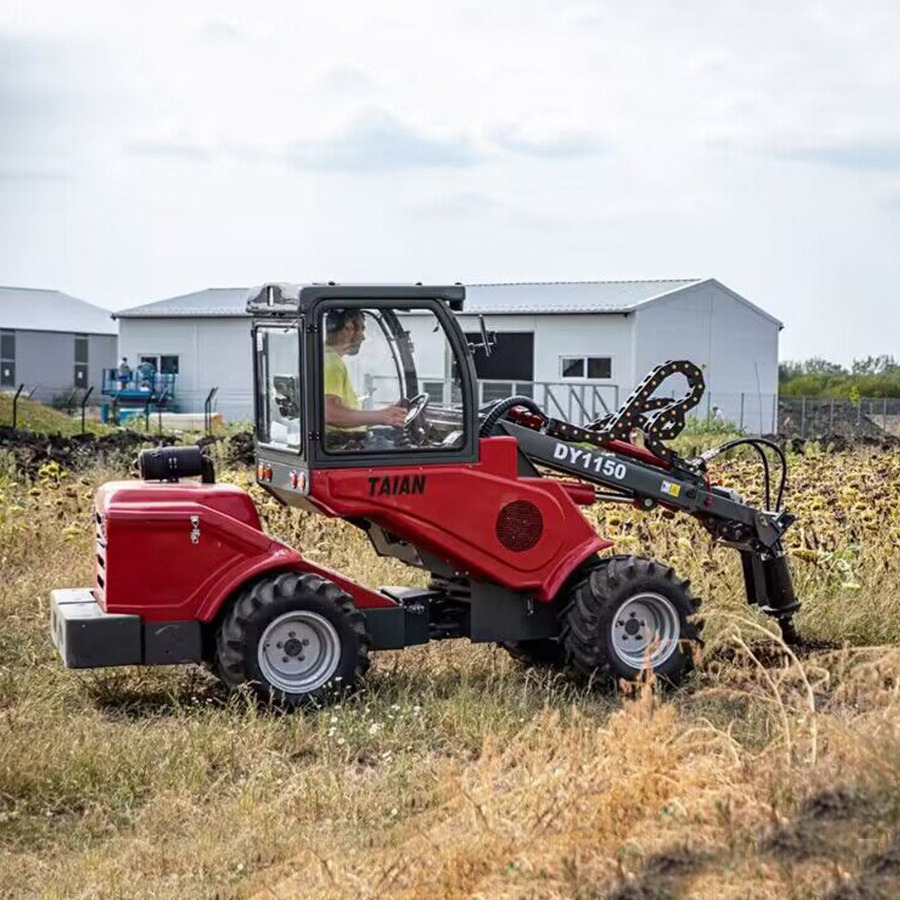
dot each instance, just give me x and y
(280, 405)
(376, 357)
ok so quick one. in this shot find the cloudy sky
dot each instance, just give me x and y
(151, 149)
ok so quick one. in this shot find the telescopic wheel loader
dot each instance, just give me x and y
(365, 401)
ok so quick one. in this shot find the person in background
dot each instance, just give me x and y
(124, 373)
(146, 372)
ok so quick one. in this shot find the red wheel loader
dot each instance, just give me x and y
(366, 409)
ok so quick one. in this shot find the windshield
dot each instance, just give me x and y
(278, 384)
(390, 382)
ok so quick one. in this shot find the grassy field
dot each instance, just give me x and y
(457, 772)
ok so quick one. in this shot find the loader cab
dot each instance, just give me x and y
(359, 377)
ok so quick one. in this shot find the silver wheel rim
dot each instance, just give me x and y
(645, 630)
(299, 652)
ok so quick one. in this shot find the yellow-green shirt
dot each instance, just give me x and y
(337, 381)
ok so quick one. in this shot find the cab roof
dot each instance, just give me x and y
(281, 298)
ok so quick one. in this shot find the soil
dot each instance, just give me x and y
(32, 450)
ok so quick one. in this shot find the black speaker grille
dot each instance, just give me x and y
(519, 525)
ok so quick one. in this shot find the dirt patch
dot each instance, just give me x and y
(31, 450)
(119, 449)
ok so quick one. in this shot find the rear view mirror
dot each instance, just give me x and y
(488, 339)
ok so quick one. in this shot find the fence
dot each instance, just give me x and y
(585, 402)
(810, 417)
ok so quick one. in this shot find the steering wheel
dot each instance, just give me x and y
(417, 406)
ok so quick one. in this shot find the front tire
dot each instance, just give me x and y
(294, 639)
(630, 615)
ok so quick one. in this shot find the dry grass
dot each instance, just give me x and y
(456, 772)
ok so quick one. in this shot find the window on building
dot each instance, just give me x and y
(572, 366)
(8, 345)
(81, 348)
(594, 367)
(599, 367)
(165, 364)
(7, 358)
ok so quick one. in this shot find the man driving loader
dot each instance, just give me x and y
(345, 331)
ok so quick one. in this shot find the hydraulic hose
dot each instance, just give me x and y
(502, 407)
(757, 443)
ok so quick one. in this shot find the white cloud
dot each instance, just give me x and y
(154, 148)
(377, 142)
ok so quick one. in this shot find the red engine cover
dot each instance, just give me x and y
(173, 552)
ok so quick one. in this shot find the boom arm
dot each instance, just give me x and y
(603, 456)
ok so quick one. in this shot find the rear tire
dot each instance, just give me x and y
(630, 615)
(294, 639)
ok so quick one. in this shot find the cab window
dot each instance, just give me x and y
(390, 382)
(278, 385)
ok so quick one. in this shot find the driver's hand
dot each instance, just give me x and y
(393, 415)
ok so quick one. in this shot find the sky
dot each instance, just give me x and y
(152, 149)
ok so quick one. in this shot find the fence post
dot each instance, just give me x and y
(803, 417)
(741, 427)
(207, 410)
(16, 405)
(859, 412)
(160, 403)
(831, 417)
(884, 413)
(84, 401)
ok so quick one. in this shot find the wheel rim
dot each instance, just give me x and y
(645, 630)
(299, 652)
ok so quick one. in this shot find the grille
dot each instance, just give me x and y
(519, 525)
(100, 545)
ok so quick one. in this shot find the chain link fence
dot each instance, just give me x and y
(812, 417)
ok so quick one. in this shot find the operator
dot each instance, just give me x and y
(345, 330)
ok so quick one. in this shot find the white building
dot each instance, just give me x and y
(53, 343)
(577, 348)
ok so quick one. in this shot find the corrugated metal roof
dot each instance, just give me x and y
(568, 296)
(526, 298)
(210, 302)
(34, 309)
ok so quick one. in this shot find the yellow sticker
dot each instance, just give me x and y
(673, 490)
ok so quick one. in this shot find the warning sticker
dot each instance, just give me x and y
(673, 490)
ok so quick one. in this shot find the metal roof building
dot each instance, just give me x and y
(51, 342)
(590, 342)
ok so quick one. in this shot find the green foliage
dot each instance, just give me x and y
(874, 376)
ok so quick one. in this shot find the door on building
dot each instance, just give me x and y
(511, 361)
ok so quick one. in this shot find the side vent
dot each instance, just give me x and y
(519, 525)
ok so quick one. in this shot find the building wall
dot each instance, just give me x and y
(736, 347)
(45, 361)
(211, 353)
